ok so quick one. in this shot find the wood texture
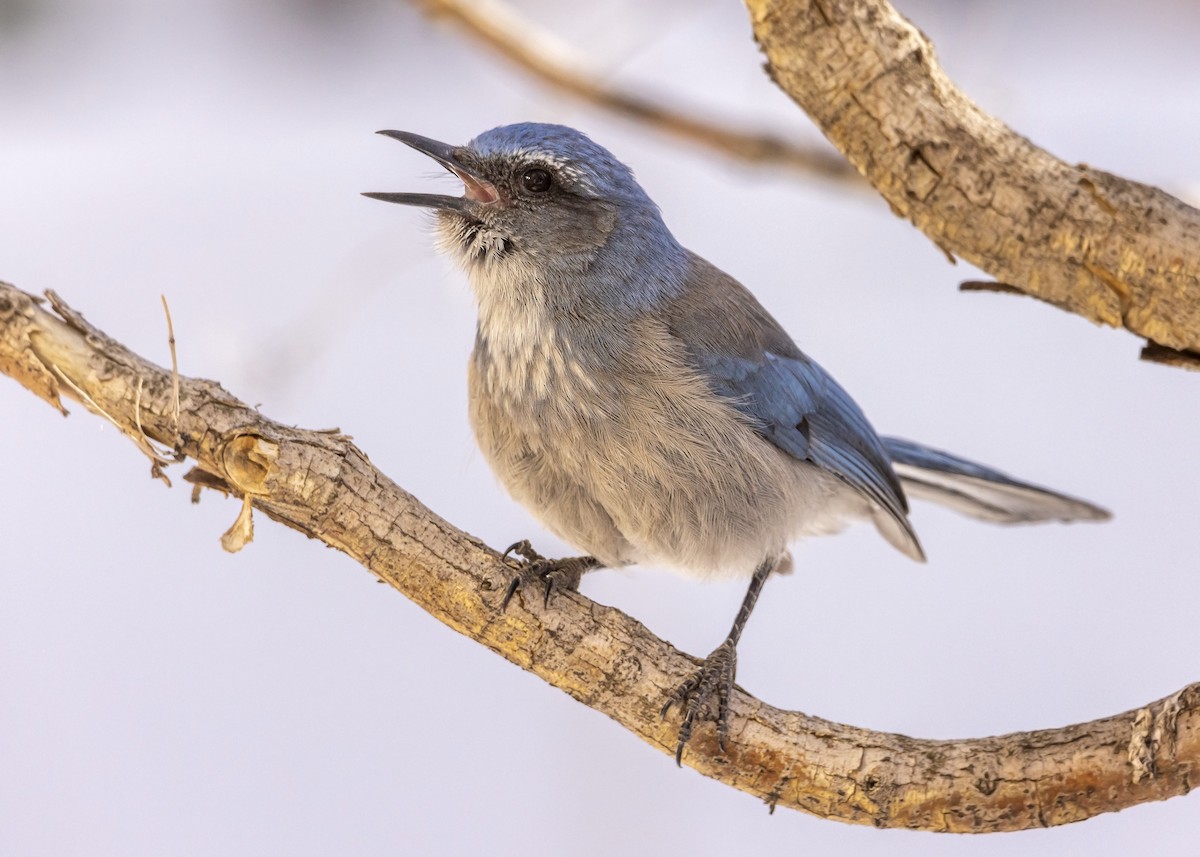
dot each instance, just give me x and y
(320, 484)
(1111, 250)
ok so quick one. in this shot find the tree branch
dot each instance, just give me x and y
(320, 484)
(1111, 250)
(525, 43)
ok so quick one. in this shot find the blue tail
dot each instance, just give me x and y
(978, 491)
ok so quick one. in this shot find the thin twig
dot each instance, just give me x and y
(140, 440)
(157, 464)
(174, 370)
(543, 55)
(1155, 353)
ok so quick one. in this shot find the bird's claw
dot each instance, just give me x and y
(553, 574)
(695, 696)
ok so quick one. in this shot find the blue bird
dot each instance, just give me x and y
(646, 408)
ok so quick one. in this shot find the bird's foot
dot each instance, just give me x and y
(695, 696)
(553, 574)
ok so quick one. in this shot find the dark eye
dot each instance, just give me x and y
(536, 180)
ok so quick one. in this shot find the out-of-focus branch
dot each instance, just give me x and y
(320, 484)
(528, 45)
(1111, 250)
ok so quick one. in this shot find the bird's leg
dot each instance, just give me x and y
(551, 573)
(715, 676)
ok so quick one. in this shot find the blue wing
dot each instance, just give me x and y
(800, 408)
(795, 404)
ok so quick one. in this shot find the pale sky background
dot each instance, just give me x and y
(161, 697)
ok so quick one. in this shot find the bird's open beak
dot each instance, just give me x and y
(478, 190)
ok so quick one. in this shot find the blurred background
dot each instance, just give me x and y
(159, 696)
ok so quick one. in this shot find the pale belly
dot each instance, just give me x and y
(675, 479)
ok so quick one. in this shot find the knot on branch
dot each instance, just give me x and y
(248, 460)
(1154, 731)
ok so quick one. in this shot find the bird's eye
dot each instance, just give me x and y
(536, 180)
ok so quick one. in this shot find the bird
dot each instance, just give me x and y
(645, 407)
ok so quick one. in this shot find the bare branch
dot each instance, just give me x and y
(320, 484)
(1111, 250)
(528, 45)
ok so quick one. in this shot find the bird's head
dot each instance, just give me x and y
(541, 196)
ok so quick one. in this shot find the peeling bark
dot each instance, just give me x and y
(320, 484)
(1111, 250)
